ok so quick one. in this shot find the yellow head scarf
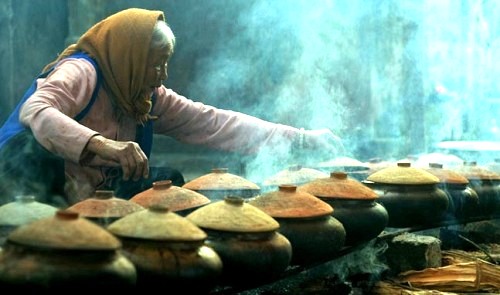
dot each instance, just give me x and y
(120, 45)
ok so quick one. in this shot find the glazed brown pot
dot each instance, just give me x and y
(410, 195)
(219, 183)
(354, 205)
(25, 209)
(104, 207)
(64, 252)
(168, 249)
(177, 199)
(463, 200)
(247, 240)
(305, 221)
(486, 183)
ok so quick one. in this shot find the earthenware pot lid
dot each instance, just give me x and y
(344, 162)
(472, 171)
(104, 204)
(23, 210)
(376, 164)
(165, 194)
(233, 215)
(220, 179)
(287, 202)
(65, 230)
(339, 186)
(157, 223)
(295, 175)
(404, 174)
(446, 175)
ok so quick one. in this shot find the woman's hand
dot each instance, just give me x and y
(126, 154)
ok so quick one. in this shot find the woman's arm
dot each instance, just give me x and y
(50, 110)
(195, 123)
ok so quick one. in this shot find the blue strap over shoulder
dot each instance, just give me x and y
(12, 126)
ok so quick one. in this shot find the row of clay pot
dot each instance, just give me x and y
(413, 196)
(243, 244)
(248, 239)
(152, 246)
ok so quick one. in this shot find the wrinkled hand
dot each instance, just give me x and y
(322, 141)
(127, 154)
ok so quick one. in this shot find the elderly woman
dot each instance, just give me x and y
(87, 122)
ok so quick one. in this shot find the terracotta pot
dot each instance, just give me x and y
(486, 183)
(410, 195)
(463, 200)
(220, 183)
(354, 205)
(168, 249)
(177, 199)
(306, 221)
(104, 207)
(247, 240)
(295, 175)
(25, 209)
(353, 167)
(64, 252)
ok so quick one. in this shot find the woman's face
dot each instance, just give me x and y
(156, 69)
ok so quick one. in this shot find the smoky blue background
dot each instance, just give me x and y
(391, 78)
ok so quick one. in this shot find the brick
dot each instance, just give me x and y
(412, 252)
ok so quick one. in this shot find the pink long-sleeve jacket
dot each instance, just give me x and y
(49, 112)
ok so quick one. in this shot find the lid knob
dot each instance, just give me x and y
(103, 194)
(67, 214)
(234, 200)
(287, 188)
(162, 184)
(338, 175)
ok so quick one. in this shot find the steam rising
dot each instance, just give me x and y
(392, 78)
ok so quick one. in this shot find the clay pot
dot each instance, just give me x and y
(463, 200)
(486, 183)
(354, 205)
(494, 166)
(353, 167)
(64, 252)
(294, 175)
(25, 209)
(247, 240)
(305, 221)
(410, 195)
(376, 164)
(220, 183)
(168, 249)
(104, 207)
(177, 199)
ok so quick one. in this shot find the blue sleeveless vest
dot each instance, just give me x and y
(11, 127)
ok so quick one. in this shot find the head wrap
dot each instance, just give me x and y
(120, 44)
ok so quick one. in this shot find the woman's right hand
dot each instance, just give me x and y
(127, 154)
